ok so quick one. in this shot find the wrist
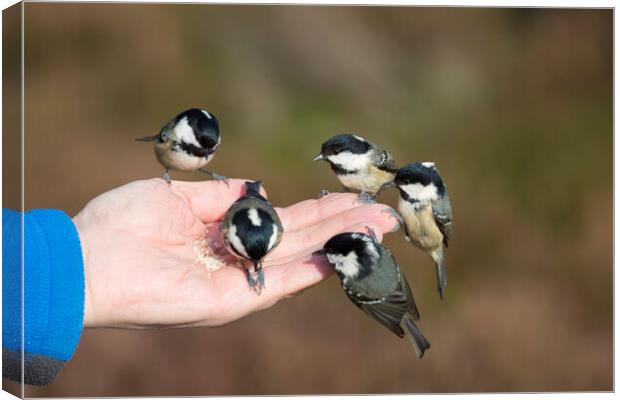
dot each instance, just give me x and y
(89, 314)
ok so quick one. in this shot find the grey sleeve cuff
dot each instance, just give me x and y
(38, 370)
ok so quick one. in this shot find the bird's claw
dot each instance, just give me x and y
(372, 234)
(216, 176)
(365, 198)
(323, 193)
(258, 284)
(261, 280)
(396, 215)
(167, 177)
(248, 276)
(220, 178)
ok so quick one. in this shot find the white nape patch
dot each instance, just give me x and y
(347, 265)
(420, 192)
(235, 242)
(429, 164)
(184, 133)
(219, 140)
(206, 113)
(273, 238)
(371, 246)
(254, 217)
(350, 161)
(361, 139)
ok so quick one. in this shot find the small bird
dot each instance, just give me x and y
(187, 143)
(372, 280)
(426, 212)
(250, 229)
(359, 164)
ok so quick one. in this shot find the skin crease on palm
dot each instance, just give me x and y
(140, 268)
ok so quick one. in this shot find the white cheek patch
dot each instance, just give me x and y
(206, 114)
(347, 265)
(184, 133)
(254, 217)
(429, 164)
(235, 242)
(350, 161)
(405, 207)
(273, 238)
(420, 192)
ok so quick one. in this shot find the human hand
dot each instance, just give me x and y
(141, 270)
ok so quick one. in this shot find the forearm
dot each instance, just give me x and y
(53, 298)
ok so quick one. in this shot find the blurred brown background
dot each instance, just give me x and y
(514, 106)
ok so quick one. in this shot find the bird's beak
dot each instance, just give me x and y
(147, 138)
(386, 185)
(319, 157)
(320, 252)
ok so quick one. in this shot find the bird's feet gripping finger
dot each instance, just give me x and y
(365, 198)
(216, 176)
(260, 281)
(372, 234)
(323, 193)
(257, 284)
(393, 213)
(251, 281)
(167, 177)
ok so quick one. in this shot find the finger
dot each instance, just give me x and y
(309, 212)
(317, 234)
(307, 252)
(303, 272)
(209, 200)
(236, 299)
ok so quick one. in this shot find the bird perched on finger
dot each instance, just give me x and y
(372, 280)
(187, 143)
(250, 229)
(359, 165)
(426, 212)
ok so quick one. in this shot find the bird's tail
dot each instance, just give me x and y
(147, 138)
(253, 187)
(442, 279)
(415, 336)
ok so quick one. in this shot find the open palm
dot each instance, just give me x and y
(141, 269)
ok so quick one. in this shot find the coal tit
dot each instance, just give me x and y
(250, 229)
(359, 164)
(187, 143)
(372, 280)
(426, 211)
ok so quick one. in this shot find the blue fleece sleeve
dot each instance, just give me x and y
(53, 294)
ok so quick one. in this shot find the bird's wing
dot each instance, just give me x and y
(442, 211)
(406, 290)
(388, 312)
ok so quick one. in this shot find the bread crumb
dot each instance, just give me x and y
(205, 256)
